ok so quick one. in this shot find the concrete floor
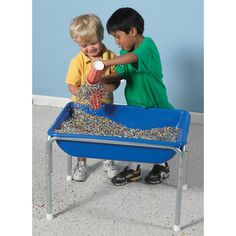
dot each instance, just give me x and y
(96, 207)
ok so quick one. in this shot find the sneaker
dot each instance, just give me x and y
(158, 173)
(80, 171)
(126, 176)
(110, 169)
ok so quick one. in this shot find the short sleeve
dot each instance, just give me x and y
(121, 70)
(74, 75)
(143, 59)
(147, 54)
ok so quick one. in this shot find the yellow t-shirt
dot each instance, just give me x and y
(79, 68)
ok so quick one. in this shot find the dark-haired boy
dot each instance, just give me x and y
(140, 64)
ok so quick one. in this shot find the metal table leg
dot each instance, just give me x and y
(69, 168)
(49, 178)
(185, 168)
(177, 227)
(180, 151)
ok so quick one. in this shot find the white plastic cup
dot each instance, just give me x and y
(95, 73)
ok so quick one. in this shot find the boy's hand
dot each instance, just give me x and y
(109, 88)
(111, 78)
(73, 89)
(106, 63)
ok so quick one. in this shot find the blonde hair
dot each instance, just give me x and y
(86, 26)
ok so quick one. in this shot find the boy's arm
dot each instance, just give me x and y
(73, 89)
(120, 60)
(111, 78)
(109, 88)
(111, 82)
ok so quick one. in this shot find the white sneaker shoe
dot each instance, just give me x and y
(110, 169)
(80, 171)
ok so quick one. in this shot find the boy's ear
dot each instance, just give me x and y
(133, 31)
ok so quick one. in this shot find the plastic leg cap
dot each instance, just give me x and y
(69, 177)
(185, 187)
(49, 216)
(176, 228)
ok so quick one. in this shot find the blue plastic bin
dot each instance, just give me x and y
(131, 117)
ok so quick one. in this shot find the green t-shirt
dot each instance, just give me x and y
(144, 85)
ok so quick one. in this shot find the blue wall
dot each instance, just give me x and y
(175, 26)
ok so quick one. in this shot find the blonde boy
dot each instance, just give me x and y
(87, 31)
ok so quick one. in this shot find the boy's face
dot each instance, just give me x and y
(91, 48)
(124, 41)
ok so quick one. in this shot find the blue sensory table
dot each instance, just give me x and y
(122, 149)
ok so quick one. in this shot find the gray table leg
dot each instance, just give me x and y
(179, 191)
(185, 168)
(69, 168)
(50, 151)
(49, 178)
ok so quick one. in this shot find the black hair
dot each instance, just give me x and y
(124, 19)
